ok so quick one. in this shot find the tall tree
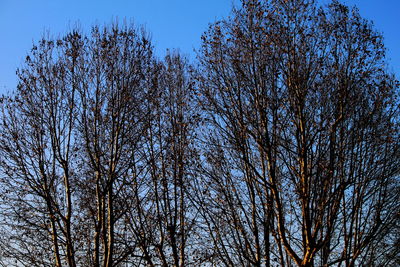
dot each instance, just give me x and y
(68, 139)
(303, 159)
(162, 218)
(280, 149)
(113, 91)
(37, 150)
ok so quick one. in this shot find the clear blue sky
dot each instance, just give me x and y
(172, 23)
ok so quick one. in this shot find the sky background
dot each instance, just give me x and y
(172, 24)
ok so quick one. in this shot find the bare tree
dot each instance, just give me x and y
(68, 140)
(112, 122)
(162, 218)
(37, 149)
(97, 149)
(303, 143)
(280, 149)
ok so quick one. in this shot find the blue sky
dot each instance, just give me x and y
(172, 24)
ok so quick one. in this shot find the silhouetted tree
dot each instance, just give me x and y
(114, 87)
(303, 162)
(37, 147)
(280, 148)
(162, 219)
(68, 139)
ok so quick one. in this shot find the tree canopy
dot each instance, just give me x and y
(279, 146)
